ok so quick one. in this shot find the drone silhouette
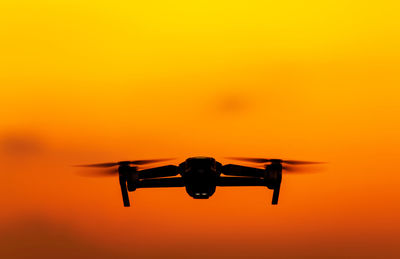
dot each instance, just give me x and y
(200, 175)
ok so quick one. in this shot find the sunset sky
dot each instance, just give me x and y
(98, 81)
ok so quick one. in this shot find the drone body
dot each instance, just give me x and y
(200, 175)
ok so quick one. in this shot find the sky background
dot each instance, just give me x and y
(98, 81)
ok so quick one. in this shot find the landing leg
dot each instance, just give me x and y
(275, 195)
(124, 190)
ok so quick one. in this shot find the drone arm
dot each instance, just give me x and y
(238, 170)
(249, 181)
(240, 181)
(162, 171)
(161, 182)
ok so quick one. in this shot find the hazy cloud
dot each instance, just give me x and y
(36, 238)
(21, 144)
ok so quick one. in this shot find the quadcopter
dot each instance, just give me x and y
(200, 175)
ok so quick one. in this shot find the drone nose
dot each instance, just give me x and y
(201, 195)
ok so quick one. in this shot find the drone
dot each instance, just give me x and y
(201, 175)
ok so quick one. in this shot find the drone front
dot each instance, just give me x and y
(200, 175)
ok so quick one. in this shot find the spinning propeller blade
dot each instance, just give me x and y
(247, 159)
(268, 160)
(98, 165)
(100, 172)
(297, 162)
(134, 162)
(295, 169)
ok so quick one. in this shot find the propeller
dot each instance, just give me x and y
(124, 178)
(99, 173)
(289, 166)
(295, 169)
(280, 161)
(134, 162)
(276, 173)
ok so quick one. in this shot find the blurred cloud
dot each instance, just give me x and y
(24, 151)
(21, 144)
(233, 103)
(37, 238)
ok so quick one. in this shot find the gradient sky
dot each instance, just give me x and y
(92, 81)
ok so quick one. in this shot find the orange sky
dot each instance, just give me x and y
(93, 81)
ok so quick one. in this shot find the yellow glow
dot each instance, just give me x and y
(114, 80)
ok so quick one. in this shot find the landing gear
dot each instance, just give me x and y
(127, 179)
(124, 190)
(273, 179)
(275, 195)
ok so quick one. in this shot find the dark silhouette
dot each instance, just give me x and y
(201, 175)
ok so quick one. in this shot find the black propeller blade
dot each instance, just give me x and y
(297, 170)
(134, 162)
(297, 162)
(268, 160)
(98, 165)
(100, 172)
